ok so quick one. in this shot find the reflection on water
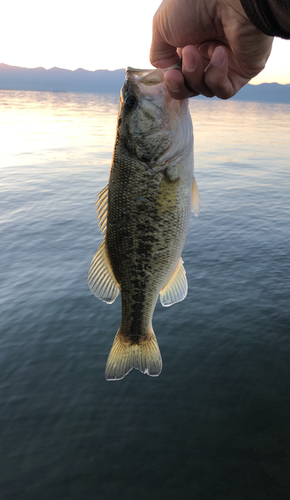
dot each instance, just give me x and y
(42, 126)
(215, 424)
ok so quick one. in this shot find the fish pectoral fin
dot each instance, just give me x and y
(102, 208)
(176, 288)
(123, 357)
(101, 279)
(195, 198)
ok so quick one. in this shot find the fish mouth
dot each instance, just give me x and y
(145, 76)
(141, 83)
(150, 84)
(150, 76)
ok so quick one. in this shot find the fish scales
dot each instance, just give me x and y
(149, 199)
(140, 238)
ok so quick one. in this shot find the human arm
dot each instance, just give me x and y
(272, 17)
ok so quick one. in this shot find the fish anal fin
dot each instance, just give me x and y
(176, 288)
(124, 356)
(101, 279)
(102, 208)
(195, 198)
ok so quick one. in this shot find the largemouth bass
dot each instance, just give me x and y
(144, 214)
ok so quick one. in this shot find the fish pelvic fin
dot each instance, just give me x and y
(124, 356)
(176, 288)
(195, 198)
(101, 279)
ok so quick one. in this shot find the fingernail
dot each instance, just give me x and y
(173, 86)
(188, 61)
(218, 57)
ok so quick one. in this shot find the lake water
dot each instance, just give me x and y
(215, 424)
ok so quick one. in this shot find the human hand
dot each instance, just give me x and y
(221, 49)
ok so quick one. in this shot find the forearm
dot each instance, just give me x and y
(272, 17)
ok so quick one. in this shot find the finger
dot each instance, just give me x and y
(191, 82)
(176, 86)
(219, 78)
(216, 75)
(193, 67)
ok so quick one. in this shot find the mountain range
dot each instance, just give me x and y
(105, 81)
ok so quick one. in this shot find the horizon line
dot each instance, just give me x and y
(111, 71)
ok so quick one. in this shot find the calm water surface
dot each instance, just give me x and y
(215, 424)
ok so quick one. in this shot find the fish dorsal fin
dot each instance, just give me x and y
(195, 198)
(101, 279)
(176, 288)
(102, 208)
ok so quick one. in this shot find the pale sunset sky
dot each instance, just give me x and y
(94, 34)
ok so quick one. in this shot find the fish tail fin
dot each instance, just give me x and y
(124, 356)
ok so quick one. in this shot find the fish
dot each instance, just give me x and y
(144, 214)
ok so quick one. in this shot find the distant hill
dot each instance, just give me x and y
(60, 80)
(265, 92)
(104, 81)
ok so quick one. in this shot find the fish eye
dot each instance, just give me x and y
(130, 102)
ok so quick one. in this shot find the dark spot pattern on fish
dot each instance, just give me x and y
(146, 158)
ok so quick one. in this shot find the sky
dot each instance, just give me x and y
(95, 34)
